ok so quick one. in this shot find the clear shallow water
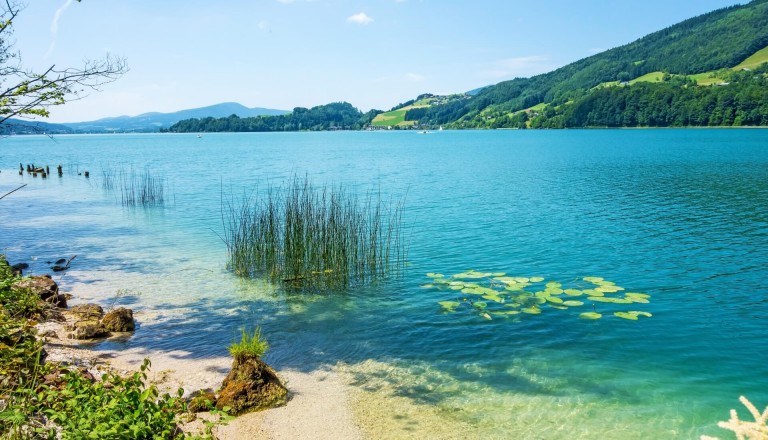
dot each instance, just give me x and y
(679, 214)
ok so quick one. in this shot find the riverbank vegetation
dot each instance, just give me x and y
(316, 238)
(45, 400)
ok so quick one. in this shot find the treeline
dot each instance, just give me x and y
(677, 102)
(712, 41)
(335, 116)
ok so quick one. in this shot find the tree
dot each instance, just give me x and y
(26, 93)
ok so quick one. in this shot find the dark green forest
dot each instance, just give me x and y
(335, 116)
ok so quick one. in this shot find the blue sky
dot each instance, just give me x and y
(288, 53)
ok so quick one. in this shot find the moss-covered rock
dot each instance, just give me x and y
(251, 385)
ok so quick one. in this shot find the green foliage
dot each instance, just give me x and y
(335, 116)
(250, 346)
(40, 400)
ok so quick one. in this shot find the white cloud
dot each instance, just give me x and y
(361, 18)
(263, 26)
(519, 67)
(415, 77)
(55, 27)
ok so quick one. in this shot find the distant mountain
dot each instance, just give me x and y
(151, 122)
(20, 126)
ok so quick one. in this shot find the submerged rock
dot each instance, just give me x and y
(119, 320)
(251, 385)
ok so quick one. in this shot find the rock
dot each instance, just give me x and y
(251, 385)
(18, 268)
(88, 331)
(202, 400)
(45, 288)
(87, 322)
(119, 320)
(89, 311)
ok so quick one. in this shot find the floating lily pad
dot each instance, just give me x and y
(590, 315)
(449, 306)
(637, 295)
(606, 299)
(626, 315)
(502, 295)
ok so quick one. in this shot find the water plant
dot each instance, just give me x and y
(318, 238)
(142, 189)
(489, 294)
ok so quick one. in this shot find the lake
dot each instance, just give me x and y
(678, 215)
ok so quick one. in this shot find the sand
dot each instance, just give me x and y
(319, 405)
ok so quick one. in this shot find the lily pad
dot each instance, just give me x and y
(573, 292)
(590, 315)
(532, 310)
(506, 313)
(646, 314)
(435, 275)
(427, 286)
(536, 279)
(573, 303)
(554, 300)
(521, 280)
(554, 285)
(593, 280)
(486, 316)
(607, 299)
(626, 315)
(637, 295)
(557, 306)
(480, 305)
(449, 306)
(554, 291)
(637, 300)
(609, 289)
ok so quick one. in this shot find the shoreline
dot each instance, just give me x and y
(306, 415)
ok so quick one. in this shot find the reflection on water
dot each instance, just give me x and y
(680, 215)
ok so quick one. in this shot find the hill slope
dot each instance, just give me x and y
(717, 40)
(149, 122)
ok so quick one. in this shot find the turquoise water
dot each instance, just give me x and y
(681, 215)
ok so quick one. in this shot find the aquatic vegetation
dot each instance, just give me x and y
(744, 430)
(491, 294)
(317, 238)
(142, 189)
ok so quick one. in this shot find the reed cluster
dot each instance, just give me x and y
(142, 189)
(314, 237)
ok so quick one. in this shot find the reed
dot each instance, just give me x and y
(316, 238)
(142, 189)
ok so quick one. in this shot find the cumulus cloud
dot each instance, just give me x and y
(361, 18)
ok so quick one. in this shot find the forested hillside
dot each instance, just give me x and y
(717, 40)
(335, 116)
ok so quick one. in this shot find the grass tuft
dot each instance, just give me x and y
(311, 237)
(250, 346)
